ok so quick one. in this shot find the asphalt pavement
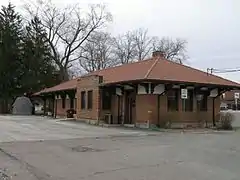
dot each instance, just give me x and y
(43, 149)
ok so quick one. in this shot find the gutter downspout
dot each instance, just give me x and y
(53, 105)
(118, 115)
(213, 111)
(55, 114)
(158, 106)
(158, 111)
(44, 106)
(99, 105)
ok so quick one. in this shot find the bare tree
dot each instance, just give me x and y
(68, 29)
(102, 51)
(174, 50)
(143, 43)
(138, 45)
(125, 48)
(97, 52)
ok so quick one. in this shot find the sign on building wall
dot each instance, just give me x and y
(236, 95)
(141, 89)
(213, 93)
(118, 91)
(184, 93)
(159, 89)
(223, 95)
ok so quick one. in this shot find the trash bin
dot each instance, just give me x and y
(70, 113)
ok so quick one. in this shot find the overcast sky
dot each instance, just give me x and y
(211, 27)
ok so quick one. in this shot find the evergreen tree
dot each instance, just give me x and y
(10, 51)
(26, 64)
(38, 68)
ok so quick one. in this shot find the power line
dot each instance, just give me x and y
(225, 70)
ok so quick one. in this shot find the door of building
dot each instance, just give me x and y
(130, 107)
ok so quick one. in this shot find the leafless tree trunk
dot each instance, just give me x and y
(143, 44)
(68, 29)
(125, 48)
(174, 50)
(96, 54)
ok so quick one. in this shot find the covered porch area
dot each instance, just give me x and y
(57, 103)
(161, 104)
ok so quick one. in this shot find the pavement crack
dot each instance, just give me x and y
(120, 169)
(31, 169)
(3, 175)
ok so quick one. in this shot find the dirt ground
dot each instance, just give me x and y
(94, 153)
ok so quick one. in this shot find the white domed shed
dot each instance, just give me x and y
(22, 106)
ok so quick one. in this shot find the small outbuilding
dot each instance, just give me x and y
(22, 106)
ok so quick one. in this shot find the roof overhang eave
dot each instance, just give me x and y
(56, 91)
(233, 87)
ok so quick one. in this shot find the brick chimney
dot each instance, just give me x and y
(158, 54)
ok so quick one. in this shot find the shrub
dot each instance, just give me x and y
(225, 121)
(166, 124)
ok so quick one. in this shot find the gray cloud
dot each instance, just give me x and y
(210, 27)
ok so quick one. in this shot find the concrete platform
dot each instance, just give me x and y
(25, 128)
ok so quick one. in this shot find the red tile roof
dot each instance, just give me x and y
(71, 84)
(126, 72)
(160, 69)
(176, 72)
(155, 68)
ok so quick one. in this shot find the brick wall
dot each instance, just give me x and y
(194, 116)
(89, 83)
(62, 112)
(114, 109)
(146, 108)
(145, 103)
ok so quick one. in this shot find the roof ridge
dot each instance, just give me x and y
(121, 65)
(67, 81)
(151, 68)
(189, 67)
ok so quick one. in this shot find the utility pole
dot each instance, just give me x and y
(210, 69)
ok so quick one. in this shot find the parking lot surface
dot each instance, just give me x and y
(22, 128)
(94, 153)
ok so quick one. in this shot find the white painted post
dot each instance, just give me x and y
(149, 88)
(149, 118)
(236, 97)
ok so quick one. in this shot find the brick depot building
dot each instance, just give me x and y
(142, 93)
